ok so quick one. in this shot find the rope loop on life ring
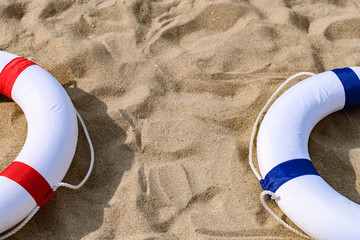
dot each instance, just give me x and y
(251, 146)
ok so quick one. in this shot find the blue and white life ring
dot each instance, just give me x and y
(284, 161)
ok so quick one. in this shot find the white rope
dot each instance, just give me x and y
(33, 60)
(273, 196)
(267, 104)
(21, 225)
(61, 184)
(92, 158)
(251, 146)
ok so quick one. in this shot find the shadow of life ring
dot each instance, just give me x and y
(284, 161)
(29, 181)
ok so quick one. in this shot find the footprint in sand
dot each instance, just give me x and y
(299, 21)
(170, 190)
(15, 11)
(294, 3)
(213, 19)
(343, 29)
(336, 28)
(54, 8)
(171, 28)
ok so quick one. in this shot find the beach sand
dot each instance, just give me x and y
(169, 91)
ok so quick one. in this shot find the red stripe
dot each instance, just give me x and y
(10, 73)
(32, 181)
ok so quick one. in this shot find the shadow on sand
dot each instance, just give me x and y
(74, 214)
(330, 146)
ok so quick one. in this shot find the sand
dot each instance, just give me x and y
(169, 90)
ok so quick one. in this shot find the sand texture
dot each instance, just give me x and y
(169, 90)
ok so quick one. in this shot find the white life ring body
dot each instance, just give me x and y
(50, 143)
(284, 161)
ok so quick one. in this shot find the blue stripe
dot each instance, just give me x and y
(351, 84)
(286, 171)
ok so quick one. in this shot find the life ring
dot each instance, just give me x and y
(284, 161)
(51, 138)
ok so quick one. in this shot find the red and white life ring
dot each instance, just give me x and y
(51, 138)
